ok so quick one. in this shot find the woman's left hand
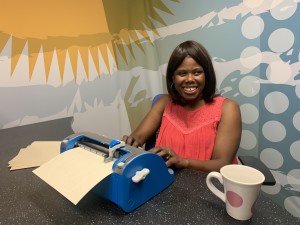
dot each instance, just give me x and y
(171, 158)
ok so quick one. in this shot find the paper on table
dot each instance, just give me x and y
(35, 154)
(74, 173)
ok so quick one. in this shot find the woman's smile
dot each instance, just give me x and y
(190, 89)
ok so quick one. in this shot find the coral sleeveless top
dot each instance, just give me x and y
(191, 134)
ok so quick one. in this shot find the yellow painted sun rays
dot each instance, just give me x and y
(61, 25)
(73, 27)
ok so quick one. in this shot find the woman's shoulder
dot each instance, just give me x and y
(225, 105)
(219, 98)
(225, 101)
(230, 105)
(162, 99)
(161, 102)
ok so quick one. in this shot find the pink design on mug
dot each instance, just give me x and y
(234, 199)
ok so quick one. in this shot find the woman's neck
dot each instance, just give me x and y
(193, 105)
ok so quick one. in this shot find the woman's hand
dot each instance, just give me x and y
(171, 158)
(129, 140)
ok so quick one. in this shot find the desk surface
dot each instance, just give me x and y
(26, 199)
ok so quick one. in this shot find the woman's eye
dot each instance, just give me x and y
(194, 73)
(181, 73)
(198, 72)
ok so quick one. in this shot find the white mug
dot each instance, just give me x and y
(241, 188)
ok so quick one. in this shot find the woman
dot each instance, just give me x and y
(197, 128)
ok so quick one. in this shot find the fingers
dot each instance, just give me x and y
(156, 149)
(129, 140)
(125, 139)
(135, 144)
(169, 163)
(170, 157)
(165, 153)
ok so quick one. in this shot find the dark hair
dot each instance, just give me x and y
(202, 57)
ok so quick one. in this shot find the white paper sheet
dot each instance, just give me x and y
(74, 173)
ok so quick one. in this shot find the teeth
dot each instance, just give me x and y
(190, 88)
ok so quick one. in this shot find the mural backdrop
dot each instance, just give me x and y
(102, 62)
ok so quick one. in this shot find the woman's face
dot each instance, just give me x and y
(189, 80)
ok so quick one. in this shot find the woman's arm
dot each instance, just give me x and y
(226, 143)
(149, 125)
(228, 135)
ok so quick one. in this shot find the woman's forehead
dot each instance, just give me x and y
(189, 62)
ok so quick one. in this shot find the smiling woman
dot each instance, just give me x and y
(197, 128)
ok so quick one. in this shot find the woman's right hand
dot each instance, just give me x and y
(170, 157)
(129, 140)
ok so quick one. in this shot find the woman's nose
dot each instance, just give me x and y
(190, 76)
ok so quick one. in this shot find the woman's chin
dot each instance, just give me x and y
(188, 96)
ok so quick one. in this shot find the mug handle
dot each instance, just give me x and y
(212, 187)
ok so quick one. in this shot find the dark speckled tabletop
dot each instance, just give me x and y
(26, 199)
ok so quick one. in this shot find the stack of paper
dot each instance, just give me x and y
(35, 155)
